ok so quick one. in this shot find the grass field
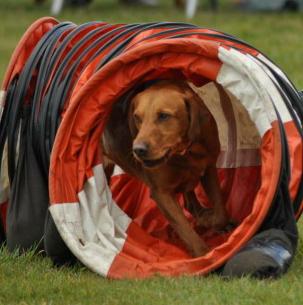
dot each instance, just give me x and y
(31, 279)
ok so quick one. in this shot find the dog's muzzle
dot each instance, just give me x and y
(141, 152)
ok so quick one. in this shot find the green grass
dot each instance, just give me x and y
(31, 279)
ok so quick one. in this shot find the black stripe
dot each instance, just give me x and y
(21, 91)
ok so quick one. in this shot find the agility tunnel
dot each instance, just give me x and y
(57, 94)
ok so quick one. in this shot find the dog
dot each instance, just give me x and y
(167, 138)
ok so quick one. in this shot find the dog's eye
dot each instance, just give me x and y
(163, 116)
(137, 119)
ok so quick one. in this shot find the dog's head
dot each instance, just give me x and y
(164, 119)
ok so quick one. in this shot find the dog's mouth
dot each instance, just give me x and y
(150, 163)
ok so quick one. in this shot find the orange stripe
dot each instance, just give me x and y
(25, 46)
(144, 36)
(295, 149)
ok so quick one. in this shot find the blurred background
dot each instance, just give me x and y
(273, 26)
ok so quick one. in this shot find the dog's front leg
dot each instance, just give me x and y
(174, 214)
(216, 217)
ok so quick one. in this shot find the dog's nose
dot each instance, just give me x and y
(140, 149)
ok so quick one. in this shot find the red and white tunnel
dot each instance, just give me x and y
(117, 231)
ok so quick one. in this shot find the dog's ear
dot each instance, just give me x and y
(130, 117)
(124, 109)
(196, 114)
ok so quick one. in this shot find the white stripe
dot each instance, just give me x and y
(271, 86)
(2, 97)
(248, 82)
(95, 228)
(4, 181)
(2, 101)
(281, 107)
(118, 171)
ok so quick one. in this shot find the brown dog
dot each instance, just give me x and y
(169, 139)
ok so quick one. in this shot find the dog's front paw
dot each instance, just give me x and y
(199, 250)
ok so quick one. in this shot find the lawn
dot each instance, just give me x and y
(31, 279)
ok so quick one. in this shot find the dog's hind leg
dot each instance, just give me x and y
(174, 214)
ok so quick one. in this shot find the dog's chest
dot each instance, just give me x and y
(180, 174)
